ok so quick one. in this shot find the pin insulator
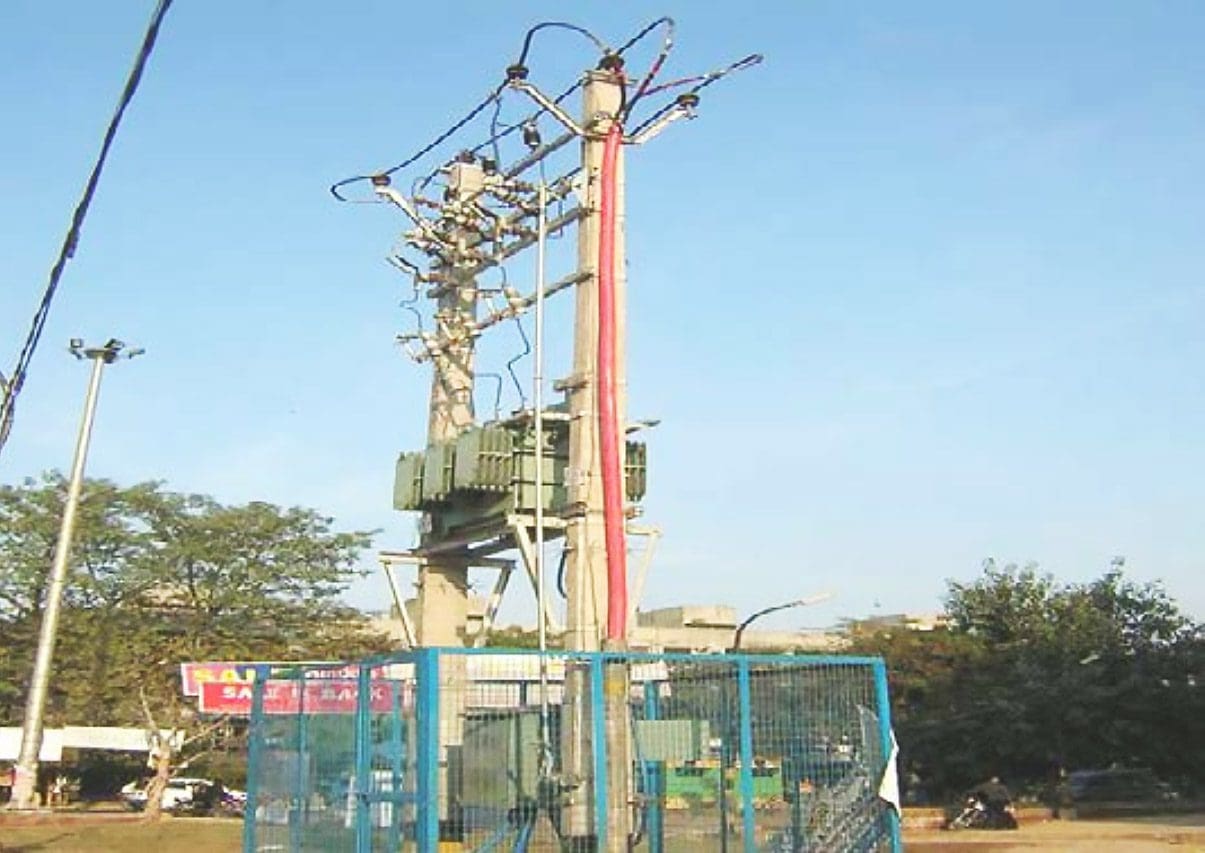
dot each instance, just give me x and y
(611, 62)
(380, 180)
(516, 72)
(688, 99)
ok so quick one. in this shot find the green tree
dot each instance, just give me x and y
(1032, 676)
(158, 578)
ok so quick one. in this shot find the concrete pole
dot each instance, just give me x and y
(26, 771)
(586, 559)
(443, 589)
(443, 581)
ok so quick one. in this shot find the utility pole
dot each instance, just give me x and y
(587, 584)
(443, 579)
(26, 775)
(558, 471)
(586, 563)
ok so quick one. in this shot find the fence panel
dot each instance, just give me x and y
(490, 750)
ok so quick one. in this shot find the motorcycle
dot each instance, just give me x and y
(978, 814)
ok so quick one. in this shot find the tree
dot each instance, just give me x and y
(1032, 676)
(158, 578)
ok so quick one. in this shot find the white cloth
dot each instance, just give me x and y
(889, 785)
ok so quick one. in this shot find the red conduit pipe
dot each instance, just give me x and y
(609, 431)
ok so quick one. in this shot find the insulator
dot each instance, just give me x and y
(531, 135)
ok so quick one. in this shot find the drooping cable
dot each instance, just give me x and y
(560, 25)
(697, 84)
(491, 98)
(426, 149)
(494, 97)
(609, 428)
(510, 365)
(667, 44)
(705, 80)
(71, 241)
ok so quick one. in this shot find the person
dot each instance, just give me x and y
(996, 799)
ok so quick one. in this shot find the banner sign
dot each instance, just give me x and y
(334, 696)
(194, 675)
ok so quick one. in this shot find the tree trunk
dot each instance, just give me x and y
(154, 791)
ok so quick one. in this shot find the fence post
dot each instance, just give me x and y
(883, 703)
(598, 748)
(426, 671)
(296, 806)
(654, 776)
(255, 738)
(363, 758)
(746, 724)
(397, 746)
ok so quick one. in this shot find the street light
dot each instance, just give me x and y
(26, 771)
(800, 602)
(725, 743)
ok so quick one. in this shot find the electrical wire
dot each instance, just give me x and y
(494, 97)
(71, 241)
(510, 365)
(497, 377)
(560, 574)
(561, 25)
(667, 45)
(426, 149)
(705, 80)
(701, 82)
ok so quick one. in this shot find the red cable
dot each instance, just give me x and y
(609, 428)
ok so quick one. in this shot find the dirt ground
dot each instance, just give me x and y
(95, 834)
(103, 834)
(1131, 835)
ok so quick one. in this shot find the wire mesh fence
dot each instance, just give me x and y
(488, 750)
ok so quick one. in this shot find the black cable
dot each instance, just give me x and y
(560, 574)
(71, 241)
(705, 80)
(648, 28)
(476, 111)
(561, 25)
(510, 365)
(700, 82)
(428, 148)
(667, 45)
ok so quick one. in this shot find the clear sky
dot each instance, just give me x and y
(925, 287)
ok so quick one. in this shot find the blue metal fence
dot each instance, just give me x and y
(491, 750)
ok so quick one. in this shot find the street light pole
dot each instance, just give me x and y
(26, 771)
(801, 602)
(725, 747)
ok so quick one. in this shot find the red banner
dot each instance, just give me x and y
(194, 675)
(336, 696)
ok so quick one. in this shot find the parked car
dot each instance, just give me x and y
(188, 795)
(1117, 785)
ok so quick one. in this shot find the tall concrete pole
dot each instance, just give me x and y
(443, 588)
(26, 771)
(586, 559)
(586, 562)
(443, 581)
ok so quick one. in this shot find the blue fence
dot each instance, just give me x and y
(489, 750)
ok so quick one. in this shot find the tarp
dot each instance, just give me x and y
(10, 744)
(54, 741)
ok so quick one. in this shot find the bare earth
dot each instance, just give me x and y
(95, 834)
(1132, 835)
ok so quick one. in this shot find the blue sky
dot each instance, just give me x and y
(925, 287)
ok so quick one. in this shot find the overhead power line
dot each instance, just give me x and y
(71, 241)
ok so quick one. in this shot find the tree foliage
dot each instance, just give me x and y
(158, 578)
(1032, 676)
